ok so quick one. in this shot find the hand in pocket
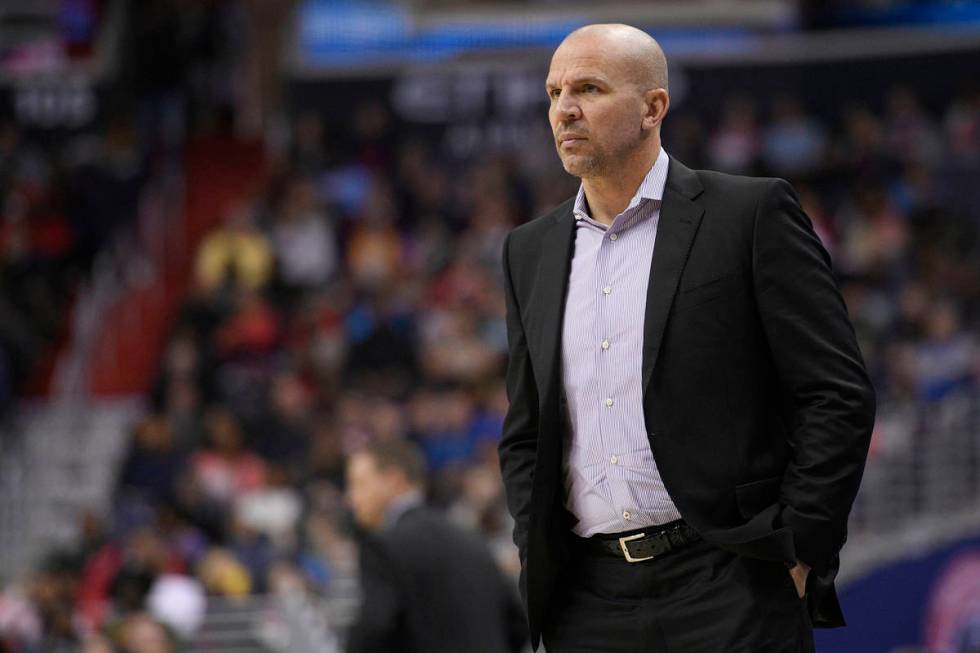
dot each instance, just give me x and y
(799, 574)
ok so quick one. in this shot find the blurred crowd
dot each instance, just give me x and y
(59, 206)
(358, 297)
(67, 194)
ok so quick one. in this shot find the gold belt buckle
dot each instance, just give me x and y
(626, 552)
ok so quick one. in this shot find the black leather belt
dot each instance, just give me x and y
(646, 544)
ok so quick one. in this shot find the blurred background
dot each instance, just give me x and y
(240, 238)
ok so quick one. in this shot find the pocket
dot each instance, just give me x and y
(777, 579)
(753, 497)
(702, 292)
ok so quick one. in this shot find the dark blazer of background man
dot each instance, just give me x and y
(428, 586)
(757, 406)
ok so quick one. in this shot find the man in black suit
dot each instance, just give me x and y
(692, 495)
(428, 586)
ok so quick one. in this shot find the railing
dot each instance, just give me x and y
(60, 456)
(292, 622)
(60, 463)
(14, 500)
(921, 485)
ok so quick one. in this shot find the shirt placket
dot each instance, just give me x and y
(610, 424)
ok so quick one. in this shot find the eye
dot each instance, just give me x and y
(590, 88)
(554, 93)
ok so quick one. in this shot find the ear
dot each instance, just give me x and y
(657, 102)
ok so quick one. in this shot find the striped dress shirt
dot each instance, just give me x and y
(611, 479)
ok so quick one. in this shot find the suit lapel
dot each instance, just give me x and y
(548, 297)
(679, 220)
(680, 217)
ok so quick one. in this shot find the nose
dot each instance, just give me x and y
(566, 108)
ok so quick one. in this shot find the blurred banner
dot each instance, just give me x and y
(929, 602)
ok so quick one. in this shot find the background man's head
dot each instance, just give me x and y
(380, 473)
(608, 91)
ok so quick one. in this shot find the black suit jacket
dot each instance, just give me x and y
(757, 405)
(429, 587)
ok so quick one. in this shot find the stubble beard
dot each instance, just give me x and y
(584, 166)
(600, 162)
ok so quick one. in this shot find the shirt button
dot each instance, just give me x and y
(578, 217)
(609, 401)
(606, 290)
(613, 236)
(626, 515)
(614, 460)
(605, 344)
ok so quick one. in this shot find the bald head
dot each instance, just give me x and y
(641, 57)
(607, 88)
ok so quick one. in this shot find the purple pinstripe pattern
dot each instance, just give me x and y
(611, 479)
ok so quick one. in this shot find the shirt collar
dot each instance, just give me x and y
(400, 505)
(651, 188)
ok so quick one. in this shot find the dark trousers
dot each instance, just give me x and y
(697, 599)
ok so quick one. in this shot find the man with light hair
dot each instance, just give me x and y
(689, 410)
(427, 585)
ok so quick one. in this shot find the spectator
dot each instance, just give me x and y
(223, 575)
(948, 359)
(140, 633)
(418, 570)
(224, 469)
(177, 601)
(912, 136)
(794, 142)
(235, 254)
(736, 145)
(152, 466)
(305, 244)
(374, 248)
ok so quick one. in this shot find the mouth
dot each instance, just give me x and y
(568, 141)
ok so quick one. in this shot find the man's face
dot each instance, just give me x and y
(369, 490)
(596, 111)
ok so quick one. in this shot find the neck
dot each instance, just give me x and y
(609, 194)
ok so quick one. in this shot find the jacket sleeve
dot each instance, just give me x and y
(518, 443)
(820, 367)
